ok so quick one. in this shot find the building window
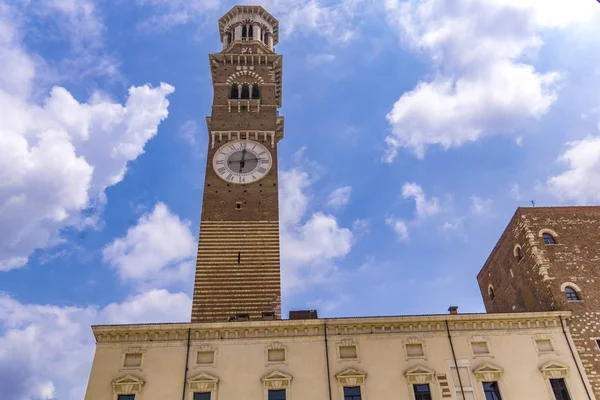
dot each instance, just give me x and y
(255, 92)
(480, 348)
(276, 394)
(544, 345)
(548, 238)
(126, 397)
(276, 355)
(519, 254)
(571, 294)
(491, 391)
(422, 392)
(491, 293)
(414, 350)
(132, 360)
(205, 357)
(598, 343)
(234, 92)
(348, 352)
(202, 396)
(352, 393)
(560, 389)
(245, 92)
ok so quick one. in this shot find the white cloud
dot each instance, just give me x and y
(310, 242)
(58, 157)
(482, 84)
(361, 226)
(580, 182)
(317, 60)
(399, 227)
(333, 21)
(480, 206)
(424, 206)
(46, 351)
(159, 249)
(339, 197)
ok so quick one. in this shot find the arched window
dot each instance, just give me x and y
(234, 92)
(250, 32)
(571, 294)
(245, 92)
(244, 32)
(548, 238)
(491, 293)
(519, 254)
(255, 92)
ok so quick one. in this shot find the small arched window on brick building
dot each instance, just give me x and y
(245, 92)
(571, 294)
(491, 292)
(518, 252)
(255, 93)
(548, 238)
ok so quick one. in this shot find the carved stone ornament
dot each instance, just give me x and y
(203, 383)
(351, 377)
(488, 373)
(419, 375)
(127, 384)
(277, 380)
(554, 370)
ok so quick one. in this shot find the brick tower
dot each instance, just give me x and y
(237, 269)
(548, 258)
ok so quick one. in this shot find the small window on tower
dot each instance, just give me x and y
(245, 92)
(234, 92)
(238, 205)
(571, 294)
(491, 292)
(255, 92)
(548, 238)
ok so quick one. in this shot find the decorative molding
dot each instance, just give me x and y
(480, 339)
(488, 373)
(415, 341)
(347, 343)
(127, 384)
(203, 348)
(276, 346)
(547, 230)
(276, 380)
(132, 350)
(351, 377)
(419, 375)
(150, 335)
(203, 382)
(244, 74)
(554, 370)
(571, 284)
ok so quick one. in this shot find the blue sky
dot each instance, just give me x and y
(413, 131)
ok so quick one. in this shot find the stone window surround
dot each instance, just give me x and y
(555, 370)
(575, 287)
(421, 375)
(351, 378)
(203, 383)
(477, 339)
(347, 343)
(488, 373)
(551, 232)
(491, 292)
(516, 250)
(132, 350)
(276, 380)
(194, 356)
(127, 384)
(276, 346)
(467, 386)
(544, 337)
(415, 341)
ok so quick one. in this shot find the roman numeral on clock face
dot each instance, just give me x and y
(222, 170)
(230, 177)
(262, 170)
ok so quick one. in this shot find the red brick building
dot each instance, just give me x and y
(547, 259)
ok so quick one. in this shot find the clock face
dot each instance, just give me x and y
(242, 161)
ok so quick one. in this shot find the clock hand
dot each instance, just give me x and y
(242, 160)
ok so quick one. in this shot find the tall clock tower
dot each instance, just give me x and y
(238, 263)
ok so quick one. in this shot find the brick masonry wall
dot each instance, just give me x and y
(223, 285)
(536, 280)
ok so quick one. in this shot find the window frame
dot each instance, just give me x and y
(351, 378)
(210, 397)
(498, 391)
(277, 380)
(352, 396)
(571, 294)
(347, 343)
(566, 388)
(203, 383)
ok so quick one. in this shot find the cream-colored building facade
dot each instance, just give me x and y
(382, 357)
(238, 348)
